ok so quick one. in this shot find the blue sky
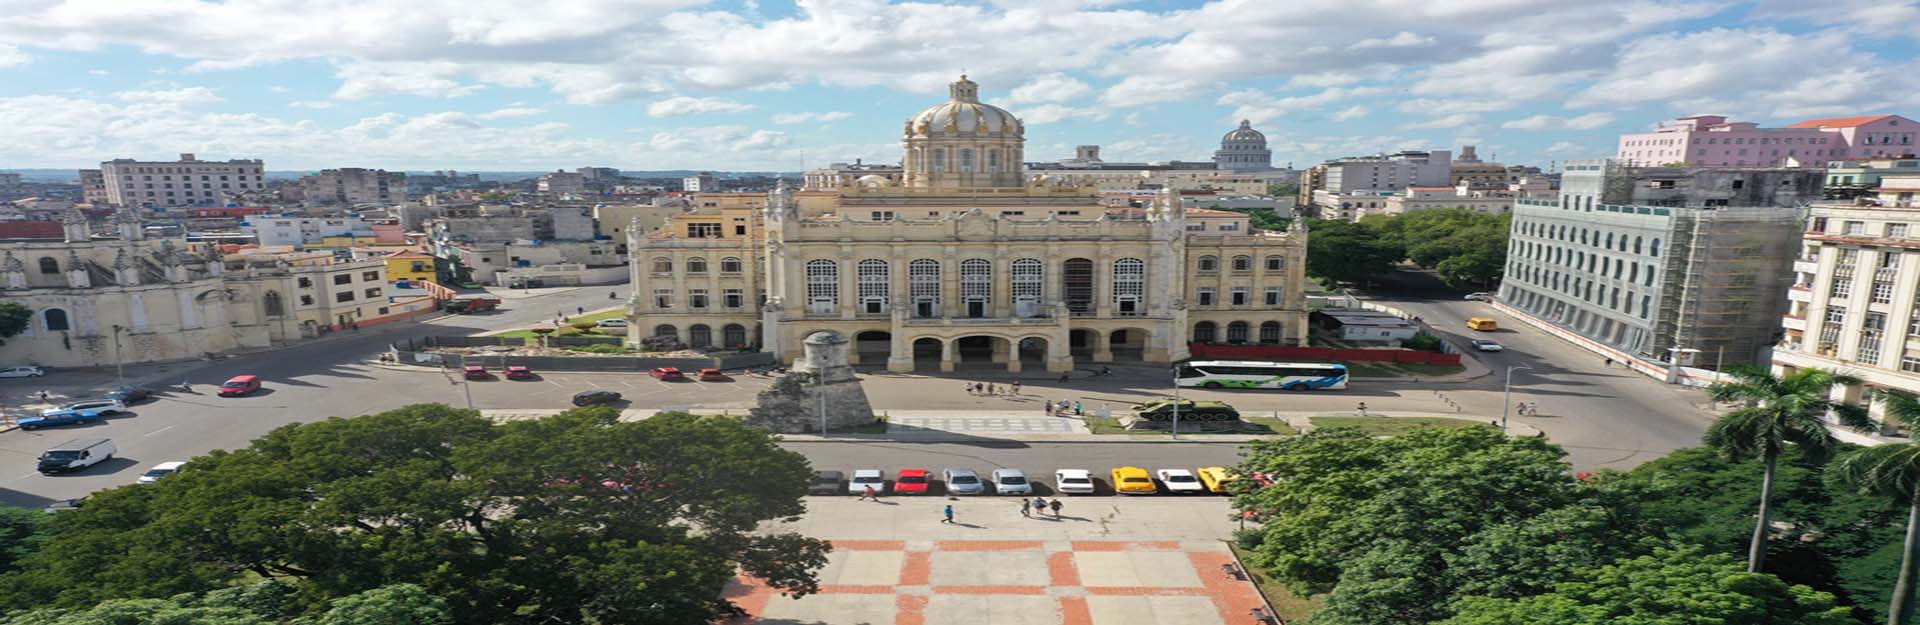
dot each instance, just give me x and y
(685, 84)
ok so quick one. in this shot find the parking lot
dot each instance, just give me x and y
(555, 389)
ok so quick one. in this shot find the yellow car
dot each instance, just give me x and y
(1216, 478)
(1133, 481)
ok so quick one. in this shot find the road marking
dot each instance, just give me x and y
(157, 431)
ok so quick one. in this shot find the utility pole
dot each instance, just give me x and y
(1506, 397)
(119, 364)
(820, 389)
(466, 385)
(1176, 402)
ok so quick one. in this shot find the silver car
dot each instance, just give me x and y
(1011, 482)
(963, 482)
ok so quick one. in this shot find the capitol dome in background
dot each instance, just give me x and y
(1243, 149)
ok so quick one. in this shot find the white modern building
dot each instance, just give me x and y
(185, 182)
(272, 230)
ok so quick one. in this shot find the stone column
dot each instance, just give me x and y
(1102, 346)
(949, 354)
(1060, 346)
(1103, 282)
(950, 306)
(1003, 351)
(900, 352)
(1155, 348)
(1002, 286)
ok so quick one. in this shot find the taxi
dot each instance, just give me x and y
(1133, 481)
(1216, 478)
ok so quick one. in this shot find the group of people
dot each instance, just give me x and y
(989, 388)
(1060, 408)
(1525, 409)
(1039, 507)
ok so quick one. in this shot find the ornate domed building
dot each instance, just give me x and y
(1244, 149)
(966, 264)
(963, 143)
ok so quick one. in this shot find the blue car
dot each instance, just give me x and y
(77, 412)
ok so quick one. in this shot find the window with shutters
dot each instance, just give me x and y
(873, 280)
(823, 286)
(923, 284)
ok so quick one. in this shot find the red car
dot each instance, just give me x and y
(667, 373)
(518, 372)
(476, 372)
(240, 385)
(712, 375)
(911, 482)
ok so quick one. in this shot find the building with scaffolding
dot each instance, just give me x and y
(1649, 264)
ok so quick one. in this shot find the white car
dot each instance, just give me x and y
(1480, 297)
(1180, 481)
(160, 470)
(862, 478)
(1488, 346)
(21, 372)
(1073, 481)
(612, 323)
(1011, 482)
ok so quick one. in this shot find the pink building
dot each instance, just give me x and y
(1870, 135)
(1712, 141)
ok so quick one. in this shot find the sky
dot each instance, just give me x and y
(525, 85)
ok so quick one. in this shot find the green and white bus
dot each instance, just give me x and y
(1292, 376)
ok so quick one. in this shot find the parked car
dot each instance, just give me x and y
(667, 374)
(240, 385)
(1133, 481)
(712, 375)
(1073, 481)
(862, 478)
(1480, 296)
(1011, 482)
(78, 412)
(962, 481)
(1180, 481)
(611, 323)
(912, 482)
(595, 398)
(76, 454)
(475, 372)
(160, 470)
(1482, 324)
(826, 483)
(1216, 478)
(21, 372)
(1487, 346)
(518, 372)
(129, 394)
(66, 504)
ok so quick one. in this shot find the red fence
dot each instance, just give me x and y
(1318, 354)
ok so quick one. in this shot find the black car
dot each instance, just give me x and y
(129, 394)
(595, 398)
(827, 483)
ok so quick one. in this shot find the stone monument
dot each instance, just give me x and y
(821, 378)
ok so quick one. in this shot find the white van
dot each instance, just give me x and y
(76, 454)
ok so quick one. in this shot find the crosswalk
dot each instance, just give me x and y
(897, 425)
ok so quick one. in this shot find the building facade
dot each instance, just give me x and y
(1713, 141)
(354, 185)
(186, 182)
(93, 187)
(1243, 149)
(965, 262)
(1659, 263)
(1868, 136)
(562, 183)
(1389, 172)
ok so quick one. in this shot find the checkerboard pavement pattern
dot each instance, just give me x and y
(1016, 582)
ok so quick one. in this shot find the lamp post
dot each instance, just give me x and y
(1176, 402)
(820, 389)
(1674, 355)
(1506, 397)
(466, 385)
(119, 364)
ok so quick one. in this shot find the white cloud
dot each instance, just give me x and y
(1350, 113)
(1565, 148)
(1051, 88)
(1752, 72)
(186, 96)
(1259, 107)
(11, 56)
(687, 105)
(427, 80)
(1141, 90)
(511, 112)
(1588, 121)
(1448, 121)
(311, 104)
(1051, 113)
(98, 72)
(1536, 122)
(1402, 39)
(808, 117)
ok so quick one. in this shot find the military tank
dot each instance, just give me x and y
(1161, 410)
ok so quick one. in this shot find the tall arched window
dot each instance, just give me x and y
(993, 160)
(729, 265)
(272, 304)
(823, 286)
(1076, 281)
(939, 160)
(56, 320)
(1130, 287)
(699, 336)
(1203, 332)
(733, 336)
(923, 285)
(1243, 263)
(1028, 282)
(1237, 332)
(976, 286)
(1270, 332)
(696, 265)
(1209, 263)
(662, 264)
(966, 160)
(1653, 248)
(874, 278)
(666, 331)
(49, 265)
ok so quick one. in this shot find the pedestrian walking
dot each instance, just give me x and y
(991, 390)
(1024, 510)
(1076, 409)
(1363, 409)
(1039, 506)
(1016, 387)
(43, 393)
(869, 494)
(581, 310)
(949, 513)
(1055, 504)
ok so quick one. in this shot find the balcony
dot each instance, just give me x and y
(1794, 323)
(1799, 294)
(1807, 266)
(981, 321)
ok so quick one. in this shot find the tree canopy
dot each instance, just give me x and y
(264, 603)
(1666, 587)
(573, 518)
(1467, 249)
(14, 318)
(1348, 253)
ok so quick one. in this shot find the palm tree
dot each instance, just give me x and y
(1778, 410)
(1892, 471)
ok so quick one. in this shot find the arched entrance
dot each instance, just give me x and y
(977, 349)
(1032, 352)
(926, 354)
(734, 336)
(1127, 344)
(699, 336)
(1082, 344)
(873, 347)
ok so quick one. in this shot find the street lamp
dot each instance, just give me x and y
(1506, 397)
(1176, 402)
(466, 386)
(1673, 362)
(119, 364)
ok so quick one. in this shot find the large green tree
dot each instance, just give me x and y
(21, 530)
(14, 318)
(1893, 471)
(1667, 587)
(1466, 249)
(264, 603)
(1778, 411)
(1348, 253)
(577, 517)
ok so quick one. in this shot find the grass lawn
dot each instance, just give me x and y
(1391, 426)
(1292, 608)
(617, 313)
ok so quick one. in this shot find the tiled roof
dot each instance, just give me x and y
(1839, 122)
(31, 230)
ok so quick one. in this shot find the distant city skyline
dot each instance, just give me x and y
(761, 86)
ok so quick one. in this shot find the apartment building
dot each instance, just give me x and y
(562, 183)
(185, 182)
(1713, 141)
(353, 185)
